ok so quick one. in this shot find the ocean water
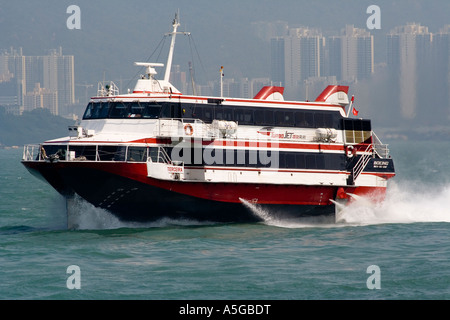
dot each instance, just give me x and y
(398, 249)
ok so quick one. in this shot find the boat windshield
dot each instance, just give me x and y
(121, 110)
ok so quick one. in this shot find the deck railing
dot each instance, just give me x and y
(380, 149)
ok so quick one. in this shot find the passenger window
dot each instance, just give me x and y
(89, 111)
(259, 118)
(137, 154)
(279, 118)
(268, 117)
(118, 110)
(165, 111)
(309, 119)
(288, 119)
(248, 117)
(311, 162)
(153, 153)
(152, 111)
(207, 115)
(136, 110)
(228, 114)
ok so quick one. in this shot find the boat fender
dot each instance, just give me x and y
(350, 151)
(188, 129)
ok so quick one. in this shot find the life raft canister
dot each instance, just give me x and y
(350, 151)
(188, 129)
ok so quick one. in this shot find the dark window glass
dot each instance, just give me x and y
(328, 120)
(89, 111)
(318, 117)
(357, 125)
(259, 117)
(309, 119)
(120, 153)
(153, 153)
(288, 119)
(279, 118)
(187, 110)
(228, 114)
(96, 110)
(290, 160)
(300, 119)
(238, 116)
(207, 114)
(151, 111)
(166, 111)
(311, 162)
(136, 110)
(118, 110)
(366, 126)
(137, 154)
(300, 161)
(268, 118)
(320, 161)
(103, 110)
(248, 116)
(219, 113)
(88, 152)
(107, 153)
(282, 160)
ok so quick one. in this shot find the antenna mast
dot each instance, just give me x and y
(191, 71)
(175, 25)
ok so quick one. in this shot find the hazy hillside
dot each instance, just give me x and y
(32, 127)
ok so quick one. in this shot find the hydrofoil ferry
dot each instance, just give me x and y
(155, 152)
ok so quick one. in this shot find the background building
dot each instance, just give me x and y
(409, 59)
(31, 82)
(297, 57)
(441, 70)
(351, 54)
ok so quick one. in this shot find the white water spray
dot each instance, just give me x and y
(258, 211)
(403, 204)
(84, 216)
(274, 219)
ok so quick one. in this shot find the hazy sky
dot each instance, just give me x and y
(116, 33)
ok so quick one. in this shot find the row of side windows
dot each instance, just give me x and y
(264, 116)
(259, 159)
(243, 115)
(212, 157)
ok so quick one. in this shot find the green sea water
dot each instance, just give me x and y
(406, 238)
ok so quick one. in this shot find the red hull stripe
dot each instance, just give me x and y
(222, 192)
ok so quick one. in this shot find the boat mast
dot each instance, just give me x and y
(175, 25)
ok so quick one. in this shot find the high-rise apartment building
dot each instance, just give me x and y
(351, 54)
(441, 70)
(277, 61)
(297, 57)
(41, 98)
(54, 74)
(409, 60)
